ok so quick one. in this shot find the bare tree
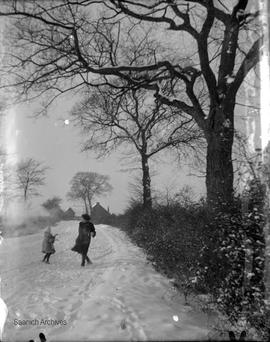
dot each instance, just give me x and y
(60, 42)
(30, 176)
(135, 191)
(135, 120)
(87, 185)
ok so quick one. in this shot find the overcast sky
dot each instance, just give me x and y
(50, 140)
(57, 145)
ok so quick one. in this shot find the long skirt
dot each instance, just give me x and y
(81, 248)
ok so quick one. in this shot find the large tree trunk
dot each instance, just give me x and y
(90, 204)
(146, 180)
(25, 192)
(85, 206)
(219, 168)
(25, 195)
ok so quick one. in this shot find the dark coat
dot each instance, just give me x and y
(84, 238)
(47, 244)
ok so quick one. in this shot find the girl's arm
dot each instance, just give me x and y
(93, 230)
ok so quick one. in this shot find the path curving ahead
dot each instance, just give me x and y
(119, 297)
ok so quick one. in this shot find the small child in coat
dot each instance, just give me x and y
(47, 245)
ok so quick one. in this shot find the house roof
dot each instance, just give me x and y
(70, 210)
(99, 210)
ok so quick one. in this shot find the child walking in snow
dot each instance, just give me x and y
(47, 245)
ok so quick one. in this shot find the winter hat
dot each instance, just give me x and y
(86, 217)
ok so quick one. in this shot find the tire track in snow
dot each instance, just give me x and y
(130, 321)
(118, 297)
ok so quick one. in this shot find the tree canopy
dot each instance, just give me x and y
(30, 176)
(87, 185)
(54, 48)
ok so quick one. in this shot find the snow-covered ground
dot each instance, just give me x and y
(119, 297)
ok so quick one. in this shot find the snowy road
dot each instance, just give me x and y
(119, 297)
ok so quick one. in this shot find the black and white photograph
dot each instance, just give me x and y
(134, 170)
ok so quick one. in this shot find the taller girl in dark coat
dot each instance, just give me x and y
(86, 230)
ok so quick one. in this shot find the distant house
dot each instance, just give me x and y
(69, 214)
(100, 214)
(58, 213)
